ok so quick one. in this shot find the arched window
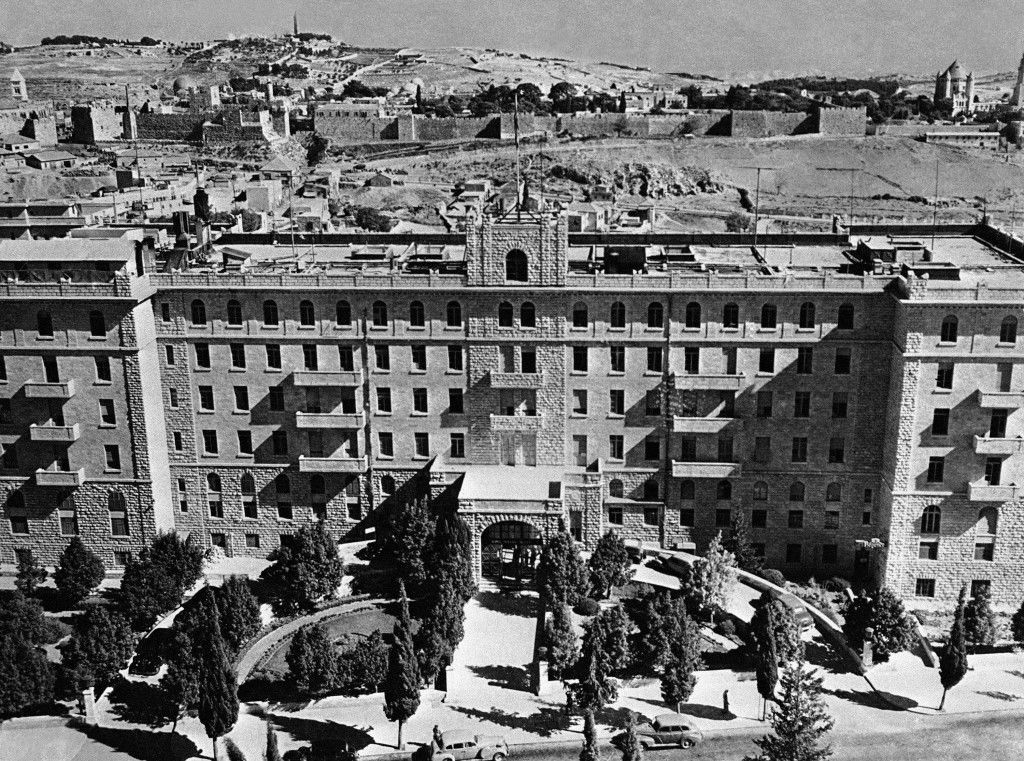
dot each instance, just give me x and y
(234, 312)
(651, 492)
(97, 325)
(307, 315)
(343, 313)
(213, 483)
(270, 317)
(948, 332)
(931, 520)
(282, 484)
(453, 312)
(617, 317)
(760, 491)
(834, 492)
(379, 314)
(118, 510)
(769, 318)
(316, 485)
(506, 315)
(615, 488)
(516, 268)
(387, 486)
(692, 315)
(528, 315)
(687, 490)
(723, 490)
(580, 315)
(796, 492)
(730, 316)
(248, 485)
(988, 522)
(655, 315)
(807, 315)
(845, 319)
(417, 315)
(198, 312)
(1008, 330)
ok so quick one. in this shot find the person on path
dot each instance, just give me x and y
(437, 736)
(725, 702)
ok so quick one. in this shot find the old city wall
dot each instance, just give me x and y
(842, 122)
(179, 127)
(95, 124)
(769, 123)
(37, 123)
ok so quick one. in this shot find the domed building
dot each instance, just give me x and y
(951, 84)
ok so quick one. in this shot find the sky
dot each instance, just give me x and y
(848, 37)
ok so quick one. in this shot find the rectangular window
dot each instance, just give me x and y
(102, 369)
(346, 359)
(652, 402)
(997, 424)
(832, 519)
(579, 359)
(928, 550)
(252, 541)
(242, 398)
(766, 361)
(865, 518)
(691, 360)
(840, 404)
(284, 510)
(686, 516)
(455, 358)
(614, 515)
(617, 402)
(112, 456)
(275, 397)
(837, 450)
(386, 444)
(245, 442)
(794, 553)
(458, 448)
(940, 422)
(528, 360)
(617, 355)
(210, 445)
(651, 516)
(68, 522)
(758, 518)
(165, 312)
(802, 404)
(688, 448)
(616, 447)
(456, 406)
(944, 376)
(579, 401)
(829, 553)
(273, 357)
(202, 355)
(206, 398)
(796, 519)
(579, 446)
(799, 449)
(9, 458)
(169, 355)
(764, 404)
(936, 469)
(383, 400)
(382, 358)
(652, 448)
(310, 357)
(725, 449)
(107, 414)
(762, 449)
(216, 506)
(421, 441)
(843, 361)
(179, 442)
(238, 356)
(805, 360)
(419, 358)
(654, 359)
(249, 508)
(993, 471)
(984, 551)
(19, 524)
(924, 588)
(723, 517)
(419, 401)
(279, 443)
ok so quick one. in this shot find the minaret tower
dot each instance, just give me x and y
(295, 24)
(1017, 101)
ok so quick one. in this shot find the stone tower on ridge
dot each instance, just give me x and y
(1017, 100)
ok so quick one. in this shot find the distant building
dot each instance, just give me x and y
(953, 85)
(18, 89)
(964, 139)
(18, 143)
(51, 160)
(380, 180)
(1017, 99)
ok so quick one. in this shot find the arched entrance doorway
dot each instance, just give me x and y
(509, 550)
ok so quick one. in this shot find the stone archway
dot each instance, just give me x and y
(510, 549)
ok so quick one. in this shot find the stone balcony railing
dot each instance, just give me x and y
(682, 424)
(708, 382)
(60, 434)
(517, 380)
(1001, 400)
(682, 469)
(45, 390)
(517, 422)
(73, 284)
(990, 446)
(307, 420)
(62, 479)
(332, 464)
(327, 378)
(980, 491)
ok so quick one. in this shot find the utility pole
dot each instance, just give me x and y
(515, 129)
(935, 205)
(853, 170)
(757, 197)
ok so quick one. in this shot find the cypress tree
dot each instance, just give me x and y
(980, 620)
(953, 663)
(30, 574)
(100, 647)
(561, 642)
(218, 694)
(609, 565)
(631, 748)
(272, 753)
(79, 572)
(239, 612)
(402, 685)
(311, 660)
(590, 750)
(738, 543)
(800, 720)
(26, 677)
(678, 678)
(561, 575)
(766, 653)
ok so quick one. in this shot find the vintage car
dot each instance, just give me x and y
(666, 730)
(457, 745)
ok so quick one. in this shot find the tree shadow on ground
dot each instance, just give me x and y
(270, 686)
(696, 710)
(885, 701)
(613, 717)
(509, 604)
(509, 677)
(1007, 697)
(143, 744)
(313, 731)
(825, 658)
(141, 703)
(545, 722)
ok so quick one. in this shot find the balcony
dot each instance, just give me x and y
(61, 479)
(1001, 400)
(701, 424)
(704, 469)
(517, 422)
(331, 464)
(306, 420)
(517, 380)
(709, 382)
(327, 378)
(985, 445)
(44, 390)
(60, 434)
(984, 492)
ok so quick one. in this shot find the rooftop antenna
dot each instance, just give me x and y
(515, 129)
(757, 196)
(935, 204)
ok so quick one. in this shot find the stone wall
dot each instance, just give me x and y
(34, 121)
(844, 122)
(96, 124)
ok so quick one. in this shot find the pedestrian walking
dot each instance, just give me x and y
(725, 702)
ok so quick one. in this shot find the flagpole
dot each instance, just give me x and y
(515, 128)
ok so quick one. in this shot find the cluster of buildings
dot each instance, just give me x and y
(856, 396)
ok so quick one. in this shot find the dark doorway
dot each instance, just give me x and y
(510, 550)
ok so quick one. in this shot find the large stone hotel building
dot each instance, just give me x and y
(857, 396)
